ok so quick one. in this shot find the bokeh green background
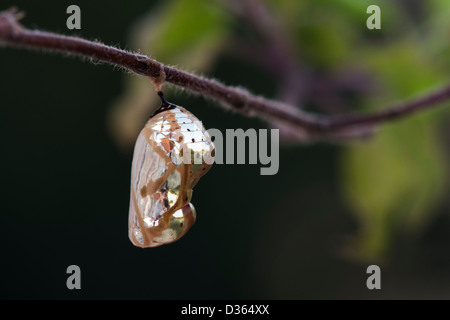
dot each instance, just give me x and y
(308, 232)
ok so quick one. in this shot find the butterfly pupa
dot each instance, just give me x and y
(172, 152)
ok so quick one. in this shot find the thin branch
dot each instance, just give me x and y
(14, 35)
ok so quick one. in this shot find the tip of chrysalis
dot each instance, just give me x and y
(165, 105)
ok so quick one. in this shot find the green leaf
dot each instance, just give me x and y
(188, 31)
(393, 182)
(327, 31)
(437, 29)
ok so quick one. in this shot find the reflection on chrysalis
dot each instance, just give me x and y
(172, 152)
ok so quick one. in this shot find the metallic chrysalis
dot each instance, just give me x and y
(171, 153)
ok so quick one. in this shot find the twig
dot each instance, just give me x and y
(14, 35)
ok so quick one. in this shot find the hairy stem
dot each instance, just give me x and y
(14, 35)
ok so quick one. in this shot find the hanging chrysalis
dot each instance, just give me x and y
(172, 152)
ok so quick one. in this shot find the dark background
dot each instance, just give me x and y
(65, 195)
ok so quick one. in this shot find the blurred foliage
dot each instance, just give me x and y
(391, 182)
(394, 181)
(185, 33)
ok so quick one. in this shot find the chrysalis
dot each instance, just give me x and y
(171, 153)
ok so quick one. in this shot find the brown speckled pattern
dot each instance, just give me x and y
(164, 172)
